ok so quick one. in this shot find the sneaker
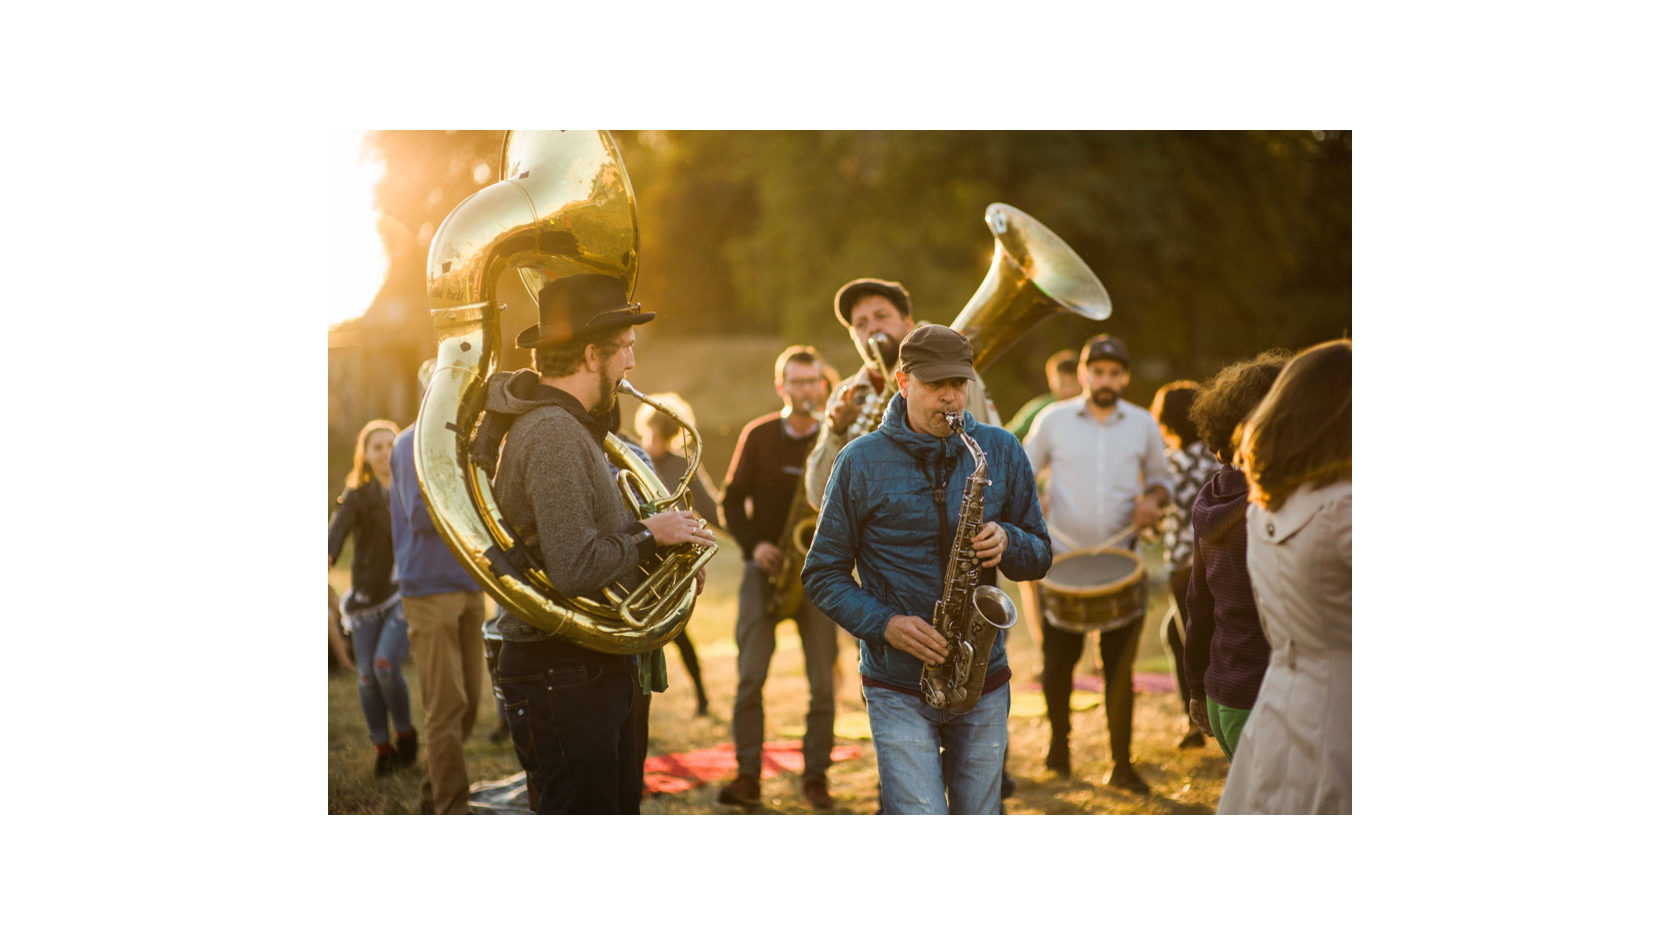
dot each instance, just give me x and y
(1192, 739)
(816, 794)
(741, 792)
(385, 762)
(408, 748)
(1124, 778)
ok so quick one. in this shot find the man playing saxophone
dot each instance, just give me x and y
(891, 511)
(763, 483)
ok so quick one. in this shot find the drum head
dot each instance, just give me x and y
(1093, 573)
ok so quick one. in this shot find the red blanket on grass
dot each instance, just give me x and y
(682, 771)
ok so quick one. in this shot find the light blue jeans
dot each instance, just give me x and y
(381, 643)
(914, 742)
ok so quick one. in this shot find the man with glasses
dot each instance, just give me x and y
(765, 472)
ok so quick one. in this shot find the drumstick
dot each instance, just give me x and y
(1120, 535)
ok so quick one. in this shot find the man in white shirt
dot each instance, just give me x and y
(1107, 473)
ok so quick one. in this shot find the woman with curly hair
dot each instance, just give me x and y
(1192, 465)
(1296, 754)
(1225, 651)
(372, 607)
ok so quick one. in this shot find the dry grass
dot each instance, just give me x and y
(1185, 781)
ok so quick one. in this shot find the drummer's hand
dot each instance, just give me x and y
(1147, 513)
(845, 409)
(768, 557)
(989, 544)
(1198, 715)
(917, 637)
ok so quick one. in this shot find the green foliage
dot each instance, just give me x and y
(1213, 245)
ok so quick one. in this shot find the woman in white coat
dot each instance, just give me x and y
(1296, 753)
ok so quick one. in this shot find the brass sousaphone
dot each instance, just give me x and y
(562, 206)
(1034, 275)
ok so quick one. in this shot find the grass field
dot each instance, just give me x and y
(1185, 781)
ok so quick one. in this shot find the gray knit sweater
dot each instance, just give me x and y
(559, 494)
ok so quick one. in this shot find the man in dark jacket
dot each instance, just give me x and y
(890, 511)
(572, 711)
(767, 472)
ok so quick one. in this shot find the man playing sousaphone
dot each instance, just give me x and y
(878, 309)
(892, 512)
(1100, 454)
(571, 710)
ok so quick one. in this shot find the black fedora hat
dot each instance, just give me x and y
(590, 304)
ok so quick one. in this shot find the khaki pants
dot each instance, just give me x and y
(446, 634)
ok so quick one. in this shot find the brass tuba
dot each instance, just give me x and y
(562, 206)
(1034, 275)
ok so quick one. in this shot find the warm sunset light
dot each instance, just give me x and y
(1132, 297)
(356, 262)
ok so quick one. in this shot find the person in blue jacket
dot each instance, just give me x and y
(889, 512)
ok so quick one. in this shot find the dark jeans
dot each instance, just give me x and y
(1118, 650)
(1172, 633)
(492, 657)
(572, 719)
(691, 662)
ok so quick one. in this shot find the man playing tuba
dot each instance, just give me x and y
(571, 710)
(870, 308)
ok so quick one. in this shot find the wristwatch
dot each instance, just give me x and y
(645, 543)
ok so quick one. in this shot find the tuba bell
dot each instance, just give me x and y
(1034, 275)
(562, 206)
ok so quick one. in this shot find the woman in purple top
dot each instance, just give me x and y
(1225, 650)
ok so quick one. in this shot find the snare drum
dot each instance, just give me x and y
(1094, 590)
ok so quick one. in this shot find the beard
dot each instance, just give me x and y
(606, 403)
(889, 350)
(1104, 398)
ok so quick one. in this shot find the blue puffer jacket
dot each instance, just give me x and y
(879, 513)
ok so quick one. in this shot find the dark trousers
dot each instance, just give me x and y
(691, 662)
(492, 658)
(1172, 629)
(1118, 651)
(573, 722)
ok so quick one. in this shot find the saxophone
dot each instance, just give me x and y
(786, 591)
(970, 614)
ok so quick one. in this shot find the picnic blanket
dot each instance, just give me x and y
(667, 774)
